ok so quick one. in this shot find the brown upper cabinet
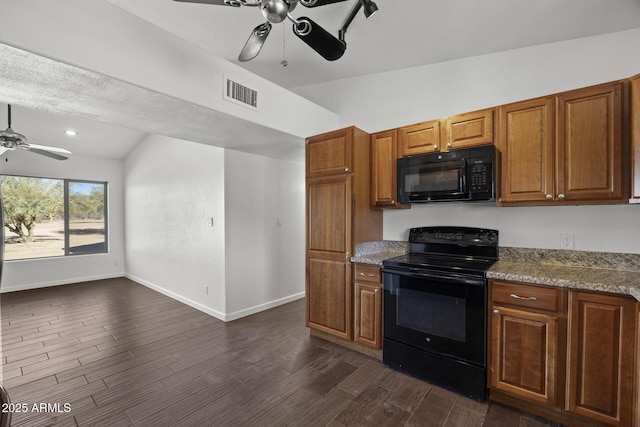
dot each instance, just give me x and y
(420, 138)
(384, 167)
(329, 154)
(564, 149)
(635, 137)
(460, 131)
(469, 130)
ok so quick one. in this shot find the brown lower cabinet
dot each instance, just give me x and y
(368, 305)
(566, 355)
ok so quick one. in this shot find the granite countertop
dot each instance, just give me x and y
(585, 278)
(376, 252)
(616, 273)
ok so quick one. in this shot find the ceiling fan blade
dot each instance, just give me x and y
(253, 46)
(45, 150)
(315, 3)
(319, 39)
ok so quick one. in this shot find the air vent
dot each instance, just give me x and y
(240, 94)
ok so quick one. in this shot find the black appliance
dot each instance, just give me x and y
(435, 307)
(457, 175)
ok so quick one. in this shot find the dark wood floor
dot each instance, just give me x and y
(121, 354)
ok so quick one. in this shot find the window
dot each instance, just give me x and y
(46, 217)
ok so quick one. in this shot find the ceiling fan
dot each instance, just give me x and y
(276, 11)
(10, 140)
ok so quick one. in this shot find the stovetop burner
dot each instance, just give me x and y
(464, 250)
(441, 263)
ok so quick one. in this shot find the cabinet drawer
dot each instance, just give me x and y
(526, 296)
(368, 273)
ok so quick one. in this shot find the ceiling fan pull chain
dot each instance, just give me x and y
(284, 62)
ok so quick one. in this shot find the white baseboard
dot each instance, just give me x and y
(4, 289)
(262, 307)
(215, 313)
(178, 297)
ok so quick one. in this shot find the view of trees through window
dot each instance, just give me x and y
(52, 217)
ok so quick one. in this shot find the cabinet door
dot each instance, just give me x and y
(420, 138)
(525, 142)
(328, 273)
(329, 215)
(600, 368)
(330, 154)
(329, 300)
(368, 314)
(469, 130)
(589, 163)
(384, 166)
(635, 137)
(523, 359)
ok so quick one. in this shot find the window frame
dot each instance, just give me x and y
(66, 217)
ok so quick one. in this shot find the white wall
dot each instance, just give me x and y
(394, 99)
(596, 228)
(173, 188)
(29, 274)
(264, 206)
(387, 100)
(248, 261)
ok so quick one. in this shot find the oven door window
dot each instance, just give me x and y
(436, 314)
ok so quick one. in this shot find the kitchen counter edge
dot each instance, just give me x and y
(583, 278)
(543, 267)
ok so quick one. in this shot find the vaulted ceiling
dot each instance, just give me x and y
(404, 33)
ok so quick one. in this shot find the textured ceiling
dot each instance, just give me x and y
(113, 116)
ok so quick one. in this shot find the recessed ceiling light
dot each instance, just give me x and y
(70, 132)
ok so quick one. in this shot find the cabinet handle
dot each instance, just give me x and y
(449, 145)
(346, 169)
(524, 298)
(549, 196)
(561, 196)
(377, 291)
(367, 275)
(435, 148)
(496, 311)
(348, 258)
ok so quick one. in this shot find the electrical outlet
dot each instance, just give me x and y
(567, 241)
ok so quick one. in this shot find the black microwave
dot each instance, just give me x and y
(457, 175)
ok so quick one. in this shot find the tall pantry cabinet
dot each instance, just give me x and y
(338, 216)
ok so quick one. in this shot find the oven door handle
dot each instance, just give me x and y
(418, 274)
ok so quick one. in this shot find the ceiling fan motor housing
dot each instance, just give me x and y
(275, 11)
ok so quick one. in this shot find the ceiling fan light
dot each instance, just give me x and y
(370, 8)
